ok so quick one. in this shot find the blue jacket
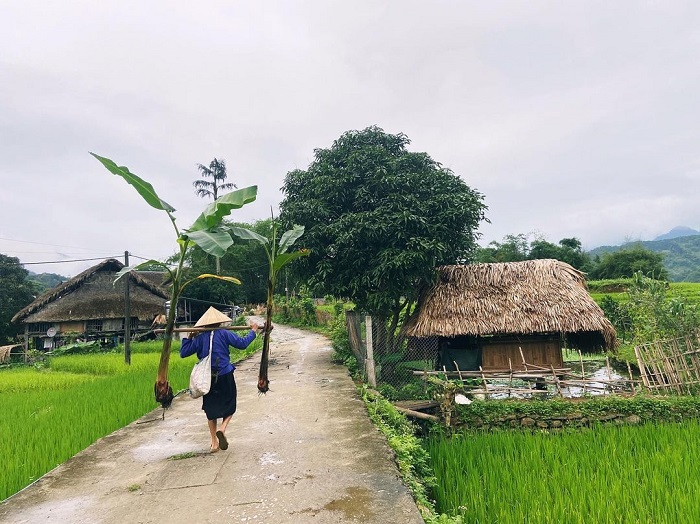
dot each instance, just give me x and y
(220, 358)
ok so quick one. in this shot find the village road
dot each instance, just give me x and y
(305, 452)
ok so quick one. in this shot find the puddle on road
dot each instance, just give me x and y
(355, 505)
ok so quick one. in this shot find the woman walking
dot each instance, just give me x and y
(220, 402)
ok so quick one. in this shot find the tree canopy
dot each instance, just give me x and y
(16, 291)
(626, 262)
(379, 219)
(515, 248)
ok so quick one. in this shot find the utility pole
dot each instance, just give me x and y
(127, 314)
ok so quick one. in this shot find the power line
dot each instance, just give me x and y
(67, 261)
(42, 243)
(142, 258)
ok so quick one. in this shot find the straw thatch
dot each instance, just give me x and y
(515, 298)
(6, 352)
(93, 295)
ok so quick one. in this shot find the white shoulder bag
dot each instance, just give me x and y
(200, 378)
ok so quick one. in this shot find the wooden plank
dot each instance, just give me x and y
(417, 414)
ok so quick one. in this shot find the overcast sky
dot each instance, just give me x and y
(574, 119)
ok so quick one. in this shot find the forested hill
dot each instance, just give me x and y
(46, 281)
(681, 255)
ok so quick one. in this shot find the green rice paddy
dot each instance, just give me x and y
(49, 415)
(608, 474)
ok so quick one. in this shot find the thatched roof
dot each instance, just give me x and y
(93, 295)
(515, 298)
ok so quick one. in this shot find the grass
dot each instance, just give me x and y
(48, 415)
(185, 455)
(617, 289)
(610, 474)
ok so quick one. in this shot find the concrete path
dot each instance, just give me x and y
(305, 452)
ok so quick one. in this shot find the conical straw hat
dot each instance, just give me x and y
(212, 316)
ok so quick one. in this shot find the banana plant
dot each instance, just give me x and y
(278, 256)
(206, 232)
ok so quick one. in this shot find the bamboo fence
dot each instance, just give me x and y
(670, 366)
(538, 380)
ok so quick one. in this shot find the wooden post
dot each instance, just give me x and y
(369, 361)
(352, 323)
(583, 372)
(522, 356)
(629, 370)
(510, 379)
(556, 382)
(26, 341)
(486, 386)
(127, 314)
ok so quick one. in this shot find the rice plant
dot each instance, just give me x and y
(608, 474)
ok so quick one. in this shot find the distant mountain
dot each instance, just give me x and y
(681, 254)
(677, 232)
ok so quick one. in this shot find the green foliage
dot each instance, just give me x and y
(681, 256)
(626, 262)
(340, 342)
(378, 219)
(297, 311)
(619, 315)
(16, 292)
(78, 348)
(45, 281)
(411, 458)
(412, 389)
(515, 248)
(243, 260)
(654, 317)
(607, 474)
(652, 310)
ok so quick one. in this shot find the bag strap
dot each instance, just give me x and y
(211, 341)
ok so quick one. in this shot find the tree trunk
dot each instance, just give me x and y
(263, 381)
(163, 391)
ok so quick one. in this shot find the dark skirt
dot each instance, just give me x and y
(220, 402)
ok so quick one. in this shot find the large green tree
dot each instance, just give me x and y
(513, 248)
(626, 262)
(378, 220)
(16, 291)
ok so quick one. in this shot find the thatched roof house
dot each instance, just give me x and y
(506, 306)
(92, 303)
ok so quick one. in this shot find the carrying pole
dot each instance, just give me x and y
(204, 329)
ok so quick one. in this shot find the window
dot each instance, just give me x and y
(39, 327)
(133, 324)
(94, 325)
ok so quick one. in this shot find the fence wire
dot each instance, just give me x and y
(392, 362)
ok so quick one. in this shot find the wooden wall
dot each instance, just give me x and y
(540, 351)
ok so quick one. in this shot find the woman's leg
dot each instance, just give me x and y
(224, 423)
(212, 433)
